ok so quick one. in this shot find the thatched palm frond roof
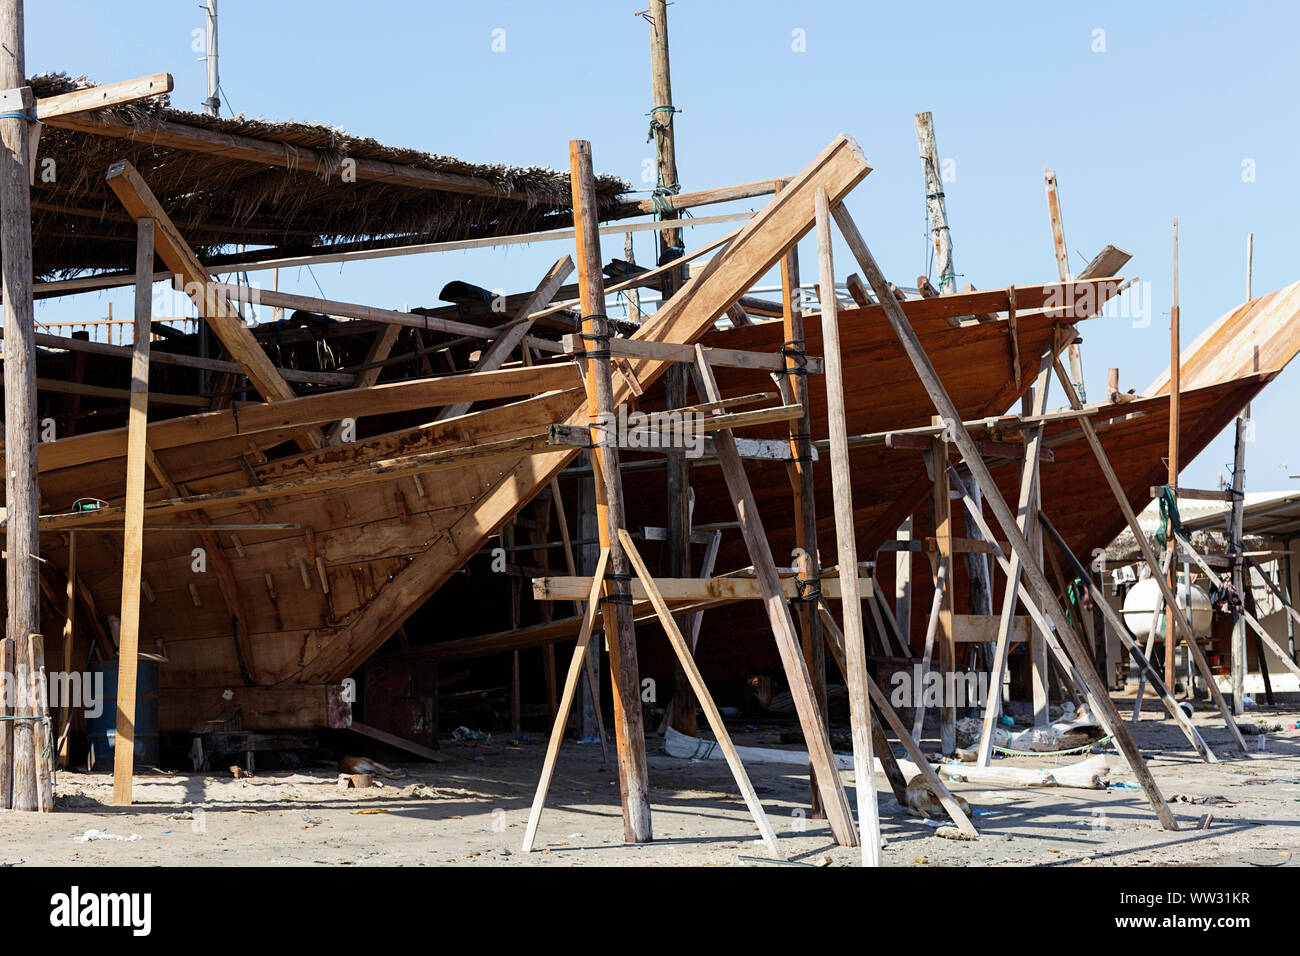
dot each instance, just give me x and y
(297, 200)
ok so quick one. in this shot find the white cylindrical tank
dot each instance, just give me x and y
(1143, 602)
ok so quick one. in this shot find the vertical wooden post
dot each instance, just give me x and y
(69, 622)
(42, 739)
(619, 629)
(22, 539)
(133, 534)
(1063, 270)
(903, 584)
(855, 651)
(1239, 580)
(802, 483)
(6, 726)
(942, 504)
(1175, 401)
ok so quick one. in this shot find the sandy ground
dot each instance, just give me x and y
(472, 808)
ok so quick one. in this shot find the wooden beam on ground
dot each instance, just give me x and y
(223, 317)
(834, 799)
(398, 743)
(1036, 579)
(133, 540)
(855, 654)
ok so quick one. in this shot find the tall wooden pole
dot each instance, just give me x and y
(855, 650)
(611, 515)
(1063, 271)
(133, 532)
(670, 247)
(69, 626)
(1175, 403)
(212, 105)
(22, 539)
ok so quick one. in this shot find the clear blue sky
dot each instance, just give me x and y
(1156, 126)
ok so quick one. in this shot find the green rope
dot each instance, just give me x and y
(1168, 516)
(1053, 753)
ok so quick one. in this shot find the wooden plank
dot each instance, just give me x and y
(688, 200)
(576, 665)
(1037, 580)
(222, 316)
(399, 743)
(133, 539)
(855, 655)
(727, 588)
(711, 712)
(103, 96)
(941, 505)
(813, 724)
(986, 629)
(677, 352)
(385, 399)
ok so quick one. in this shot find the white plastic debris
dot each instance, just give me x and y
(93, 834)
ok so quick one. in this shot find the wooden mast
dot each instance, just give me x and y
(22, 539)
(611, 515)
(670, 247)
(978, 567)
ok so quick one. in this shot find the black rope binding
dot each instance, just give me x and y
(789, 351)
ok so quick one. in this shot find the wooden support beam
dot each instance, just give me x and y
(611, 513)
(811, 720)
(100, 97)
(133, 541)
(1249, 618)
(221, 315)
(1157, 572)
(1006, 519)
(725, 588)
(679, 352)
(855, 654)
(711, 712)
(566, 698)
(1026, 508)
(379, 349)
(69, 621)
(835, 638)
(1130, 644)
(42, 739)
(385, 399)
(941, 503)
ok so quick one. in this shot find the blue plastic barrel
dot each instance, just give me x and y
(102, 730)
